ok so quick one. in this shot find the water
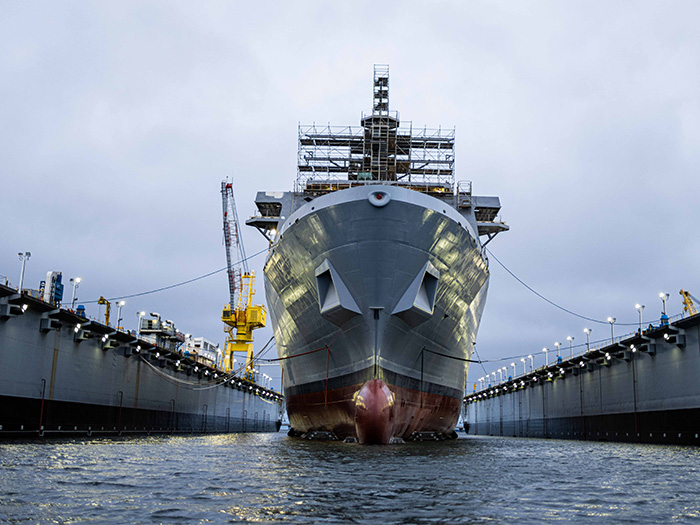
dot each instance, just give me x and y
(273, 478)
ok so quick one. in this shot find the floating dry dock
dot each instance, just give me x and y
(62, 373)
(642, 388)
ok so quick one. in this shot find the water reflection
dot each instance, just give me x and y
(272, 478)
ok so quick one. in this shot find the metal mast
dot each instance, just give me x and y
(233, 241)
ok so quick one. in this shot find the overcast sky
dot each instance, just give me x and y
(118, 121)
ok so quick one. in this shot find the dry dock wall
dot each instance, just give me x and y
(645, 388)
(63, 374)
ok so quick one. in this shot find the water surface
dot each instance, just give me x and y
(273, 478)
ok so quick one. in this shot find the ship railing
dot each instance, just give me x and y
(598, 347)
(317, 186)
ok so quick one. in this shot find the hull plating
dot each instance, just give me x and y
(377, 254)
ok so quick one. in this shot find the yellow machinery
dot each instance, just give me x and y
(104, 301)
(239, 316)
(689, 306)
(243, 320)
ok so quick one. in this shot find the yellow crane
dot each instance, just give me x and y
(240, 316)
(689, 306)
(104, 301)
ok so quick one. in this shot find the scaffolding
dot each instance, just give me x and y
(380, 151)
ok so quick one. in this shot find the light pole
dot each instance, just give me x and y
(522, 360)
(640, 309)
(75, 282)
(558, 345)
(493, 375)
(119, 312)
(588, 331)
(571, 344)
(532, 362)
(514, 372)
(612, 320)
(664, 297)
(505, 373)
(24, 257)
(546, 356)
(500, 375)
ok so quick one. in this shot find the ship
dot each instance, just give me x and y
(64, 373)
(376, 278)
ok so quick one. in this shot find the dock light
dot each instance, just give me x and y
(120, 304)
(138, 349)
(239, 383)
(24, 257)
(570, 338)
(157, 355)
(582, 364)
(607, 356)
(640, 309)
(196, 369)
(549, 374)
(523, 362)
(522, 383)
(532, 362)
(206, 372)
(633, 348)
(612, 320)
(77, 328)
(24, 307)
(664, 297)
(535, 379)
(588, 331)
(75, 282)
(250, 388)
(666, 336)
(177, 363)
(216, 375)
(104, 338)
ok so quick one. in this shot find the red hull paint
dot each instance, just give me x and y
(412, 411)
(374, 413)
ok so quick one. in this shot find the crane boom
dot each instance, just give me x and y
(689, 306)
(233, 242)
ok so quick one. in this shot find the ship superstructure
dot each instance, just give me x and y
(376, 278)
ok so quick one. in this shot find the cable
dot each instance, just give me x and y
(552, 302)
(480, 361)
(181, 283)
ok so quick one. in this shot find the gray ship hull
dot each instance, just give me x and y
(360, 290)
(640, 389)
(57, 379)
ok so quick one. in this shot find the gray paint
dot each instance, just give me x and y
(85, 373)
(662, 382)
(378, 252)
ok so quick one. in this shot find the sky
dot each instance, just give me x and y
(120, 119)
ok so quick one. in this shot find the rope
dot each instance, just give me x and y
(450, 356)
(599, 321)
(180, 283)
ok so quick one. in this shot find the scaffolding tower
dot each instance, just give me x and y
(381, 150)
